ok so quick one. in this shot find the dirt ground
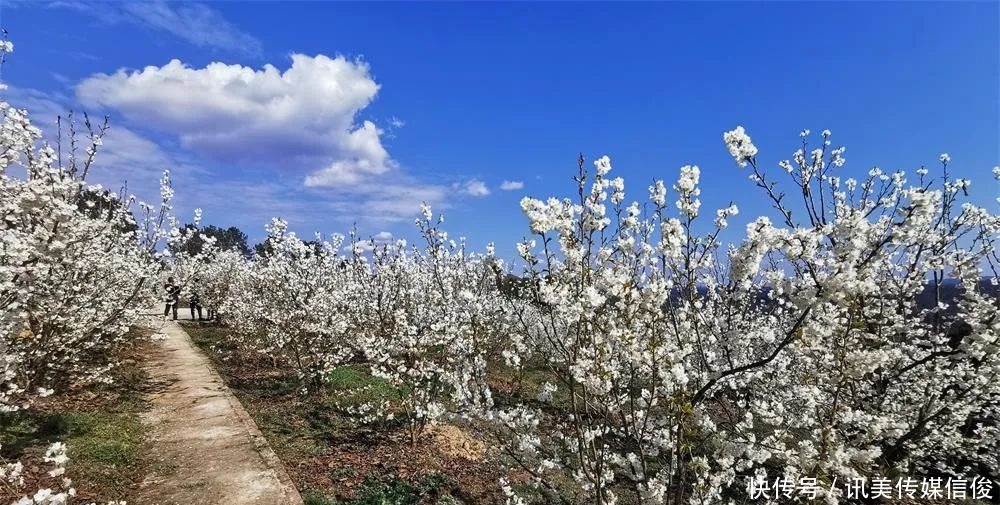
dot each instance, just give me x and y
(333, 457)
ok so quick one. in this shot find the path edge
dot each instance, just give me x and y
(260, 443)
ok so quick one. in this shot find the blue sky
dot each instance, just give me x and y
(444, 101)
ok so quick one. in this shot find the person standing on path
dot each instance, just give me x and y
(194, 302)
(172, 295)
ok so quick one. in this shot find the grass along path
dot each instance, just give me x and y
(101, 424)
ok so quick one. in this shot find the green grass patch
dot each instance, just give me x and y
(352, 385)
(104, 451)
(349, 377)
(391, 490)
(101, 427)
(104, 447)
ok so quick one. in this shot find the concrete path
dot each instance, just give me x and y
(202, 446)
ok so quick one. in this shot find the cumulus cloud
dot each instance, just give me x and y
(130, 155)
(398, 201)
(304, 115)
(302, 120)
(366, 157)
(474, 187)
(511, 185)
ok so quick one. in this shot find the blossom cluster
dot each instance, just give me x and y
(811, 350)
(317, 305)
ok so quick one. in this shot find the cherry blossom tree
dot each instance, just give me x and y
(291, 304)
(76, 264)
(426, 317)
(803, 351)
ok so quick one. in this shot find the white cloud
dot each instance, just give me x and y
(398, 202)
(366, 157)
(129, 155)
(383, 236)
(192, 22)
(511, 185)
(304, 116)
(474, 187)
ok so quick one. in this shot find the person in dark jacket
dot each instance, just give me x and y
(194, 301)
(172, 295)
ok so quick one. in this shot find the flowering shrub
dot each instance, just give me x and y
(218, 278)
(75, 266)
(676, 366)
(427, 319)
(75, 263)
(313, 309)
(290, 304)
(628, 314)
